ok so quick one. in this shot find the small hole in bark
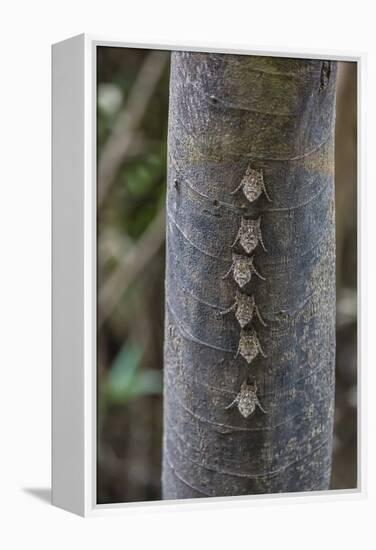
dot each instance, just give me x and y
(213, 99)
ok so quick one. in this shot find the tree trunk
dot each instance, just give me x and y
(250, 138)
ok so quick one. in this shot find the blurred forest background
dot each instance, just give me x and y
(132, 109)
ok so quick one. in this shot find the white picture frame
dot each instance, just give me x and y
(74, 276)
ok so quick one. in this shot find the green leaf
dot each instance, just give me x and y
(126, 380)
(147, 382)
(122, 373)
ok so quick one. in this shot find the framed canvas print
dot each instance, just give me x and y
(206, 247)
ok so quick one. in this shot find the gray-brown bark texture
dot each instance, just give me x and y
(269, 121)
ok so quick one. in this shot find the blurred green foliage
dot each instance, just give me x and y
(127, 380)
(139, 187)
(140, 192)
(130, 340)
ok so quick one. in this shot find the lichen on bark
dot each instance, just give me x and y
(229, 112)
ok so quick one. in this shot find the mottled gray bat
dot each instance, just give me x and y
(249, 235)
(249, 344)
(247, 400)
(252, 185)
(242, 268)
(245, 308)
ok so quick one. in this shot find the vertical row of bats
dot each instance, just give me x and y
(245, 309)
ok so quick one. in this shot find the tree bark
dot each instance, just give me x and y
(270, 118)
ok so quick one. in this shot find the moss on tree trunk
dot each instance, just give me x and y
(274, 117)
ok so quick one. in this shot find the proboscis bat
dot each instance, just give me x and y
(252, 185)
(247, 400)
(245, 308)
(249, 235)
(249, 345)
(242, 268)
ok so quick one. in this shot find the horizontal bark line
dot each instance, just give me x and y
(275, 267)
(305, 414)
(316, 487)
(309, 463)
(270, 316)
(278, 263)
(217, 102)
(200, 491)
(249, 208)
(184, 332)
(263, 475)
(199, 126)
(271, 410)
(275, 394)
(203, 251)
(263, 159)
(270, 367)
(307, 408)
(227, 328)
(220, 453)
